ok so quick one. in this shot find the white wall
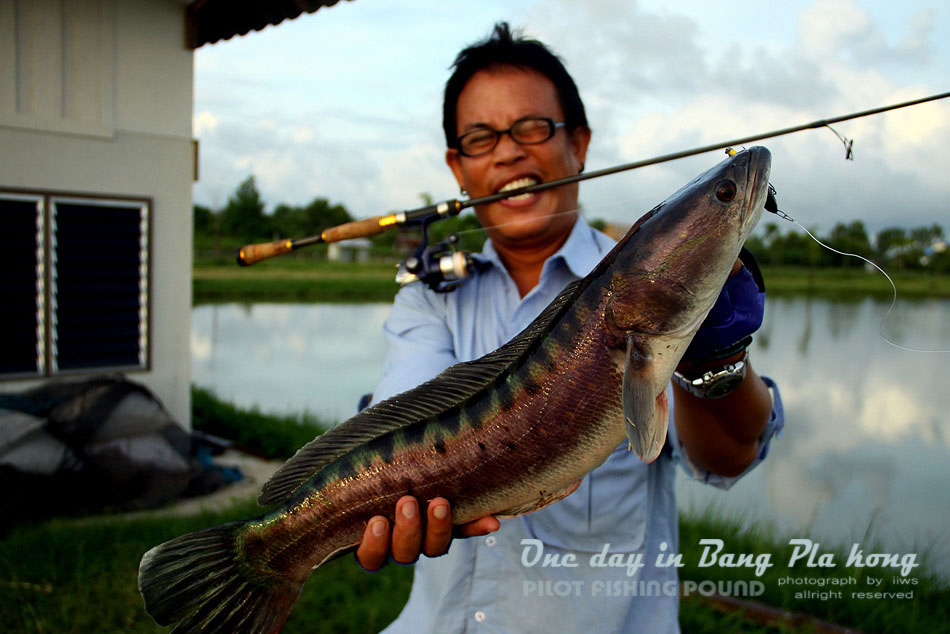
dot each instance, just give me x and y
(96, 97)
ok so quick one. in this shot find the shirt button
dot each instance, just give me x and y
(491, 540)
(480, 616)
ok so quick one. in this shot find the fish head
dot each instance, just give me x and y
(667, 273)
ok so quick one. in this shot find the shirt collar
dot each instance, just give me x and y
(580, 253)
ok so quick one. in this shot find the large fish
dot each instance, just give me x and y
(503, 435)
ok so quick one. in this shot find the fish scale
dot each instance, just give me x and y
(503, 435)
(418, 468)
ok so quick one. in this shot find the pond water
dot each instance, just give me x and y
(865, 457)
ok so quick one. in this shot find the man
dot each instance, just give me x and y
(512, 117)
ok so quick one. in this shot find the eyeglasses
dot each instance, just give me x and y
(527, 131)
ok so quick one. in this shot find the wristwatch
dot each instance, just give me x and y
(716, 382)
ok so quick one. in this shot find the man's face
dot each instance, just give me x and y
(496, 98)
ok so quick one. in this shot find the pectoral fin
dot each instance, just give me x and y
(645, 411)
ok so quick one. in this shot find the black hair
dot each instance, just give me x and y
(502, 48)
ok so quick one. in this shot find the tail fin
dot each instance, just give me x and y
(199, 583)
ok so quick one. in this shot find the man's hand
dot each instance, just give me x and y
(736, 314)
(411, 536)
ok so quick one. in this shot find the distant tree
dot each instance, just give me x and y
(764, 246)
(292, 221)
(243, 216)
(923, 237)
(798, 249)
(320, 215)
(849, 238)
(892, 247)
(791, 249)
(889, 239)
(920, 250)
(466, 226)
(286, 221)
(204, 220)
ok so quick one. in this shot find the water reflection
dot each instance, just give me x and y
(289, 358)
(865, 452)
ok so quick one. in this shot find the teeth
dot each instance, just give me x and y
(516, 184)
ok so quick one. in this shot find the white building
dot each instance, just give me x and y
(97, 163)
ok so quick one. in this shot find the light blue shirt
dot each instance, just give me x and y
(622, 510)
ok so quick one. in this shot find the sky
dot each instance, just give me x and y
(345, 103)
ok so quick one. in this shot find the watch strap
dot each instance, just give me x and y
(715, 382)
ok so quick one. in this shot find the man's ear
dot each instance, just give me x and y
(580, 139)
(454, 160)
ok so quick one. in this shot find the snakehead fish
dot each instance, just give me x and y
(503, 435)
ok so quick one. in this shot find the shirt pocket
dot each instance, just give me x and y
(609, 507)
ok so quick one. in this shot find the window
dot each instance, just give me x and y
(74, 274)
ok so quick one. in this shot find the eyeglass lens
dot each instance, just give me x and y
(525, 131)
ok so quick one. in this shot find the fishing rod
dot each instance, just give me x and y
(448, 265)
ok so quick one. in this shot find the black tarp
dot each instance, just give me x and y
(101, 443)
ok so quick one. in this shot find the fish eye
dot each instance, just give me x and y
(726, 191)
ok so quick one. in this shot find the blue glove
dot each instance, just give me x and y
(736, 314)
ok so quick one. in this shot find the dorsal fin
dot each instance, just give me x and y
(448, 389)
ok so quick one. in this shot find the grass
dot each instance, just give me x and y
(927, 611)
(260, 434)
(309, 279)
(79, 575)
(293, 279)
(854, 283)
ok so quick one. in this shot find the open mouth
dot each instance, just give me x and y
(518, 184)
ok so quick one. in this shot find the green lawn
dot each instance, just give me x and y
(308, 279)
(69, 575)
(78, 575)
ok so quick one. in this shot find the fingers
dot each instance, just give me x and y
(479, 527)
(736, 267)
(373, 551)
(438, 528)
(407, 535)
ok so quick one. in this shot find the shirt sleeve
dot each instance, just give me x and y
(773, 427)
(419, 344)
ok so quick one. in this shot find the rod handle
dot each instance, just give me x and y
(253, 253)
(358, 228)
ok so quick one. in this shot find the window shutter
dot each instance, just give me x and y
(74, 284)
(21, 285)
(99, 284)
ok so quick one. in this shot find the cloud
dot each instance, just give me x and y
(363, 127)
(204, 122)
(626, 53)
(657, 86)
(843, 29)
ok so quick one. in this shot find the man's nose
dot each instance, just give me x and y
(507, 149)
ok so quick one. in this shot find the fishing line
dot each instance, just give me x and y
(782, 214)
(848, 144)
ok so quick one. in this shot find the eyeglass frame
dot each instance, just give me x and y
(552, 130)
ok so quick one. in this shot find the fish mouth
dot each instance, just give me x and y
(757, 166)
(518, 183)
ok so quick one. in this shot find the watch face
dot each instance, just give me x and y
(722, 385)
